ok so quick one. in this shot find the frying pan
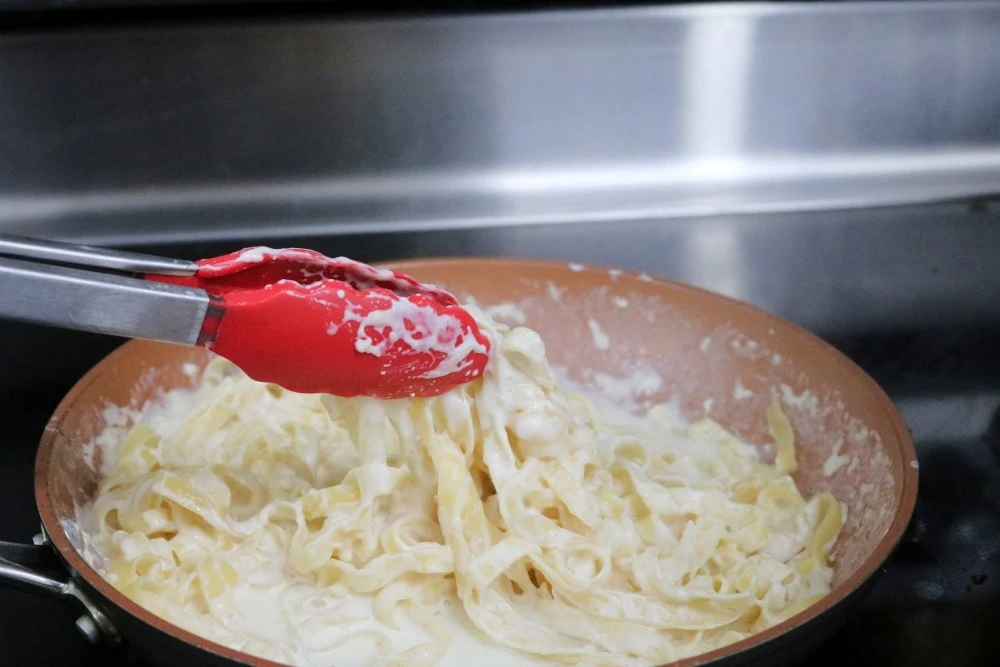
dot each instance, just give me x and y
(714, 354)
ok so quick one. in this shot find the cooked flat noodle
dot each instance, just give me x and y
(311, 529)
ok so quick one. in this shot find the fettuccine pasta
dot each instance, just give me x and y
(508, 514)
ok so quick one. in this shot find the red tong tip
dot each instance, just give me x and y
(315, 324)
(253, 268)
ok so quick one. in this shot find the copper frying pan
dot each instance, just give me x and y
(712, 352)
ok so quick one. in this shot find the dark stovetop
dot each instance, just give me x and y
(938, 602)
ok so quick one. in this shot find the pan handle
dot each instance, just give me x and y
(36, 568)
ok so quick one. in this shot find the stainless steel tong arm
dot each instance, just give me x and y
(36, 287)
(56, 252)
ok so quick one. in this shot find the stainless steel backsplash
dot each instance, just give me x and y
(834, 163)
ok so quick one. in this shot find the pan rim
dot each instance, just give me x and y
(869, 566)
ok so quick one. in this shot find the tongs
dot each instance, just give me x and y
(292, 317)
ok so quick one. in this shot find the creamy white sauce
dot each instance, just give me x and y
(259, 253)
(836, 460)
(302, 623)
(601, 340)
(429, 331)
(508, 313)
(740, 392)
(642, 383)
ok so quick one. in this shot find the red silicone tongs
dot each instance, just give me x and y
(293, 317)
(313, 323)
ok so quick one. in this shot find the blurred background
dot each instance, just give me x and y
(837, 163)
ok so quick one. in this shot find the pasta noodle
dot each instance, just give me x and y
(310, 529)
